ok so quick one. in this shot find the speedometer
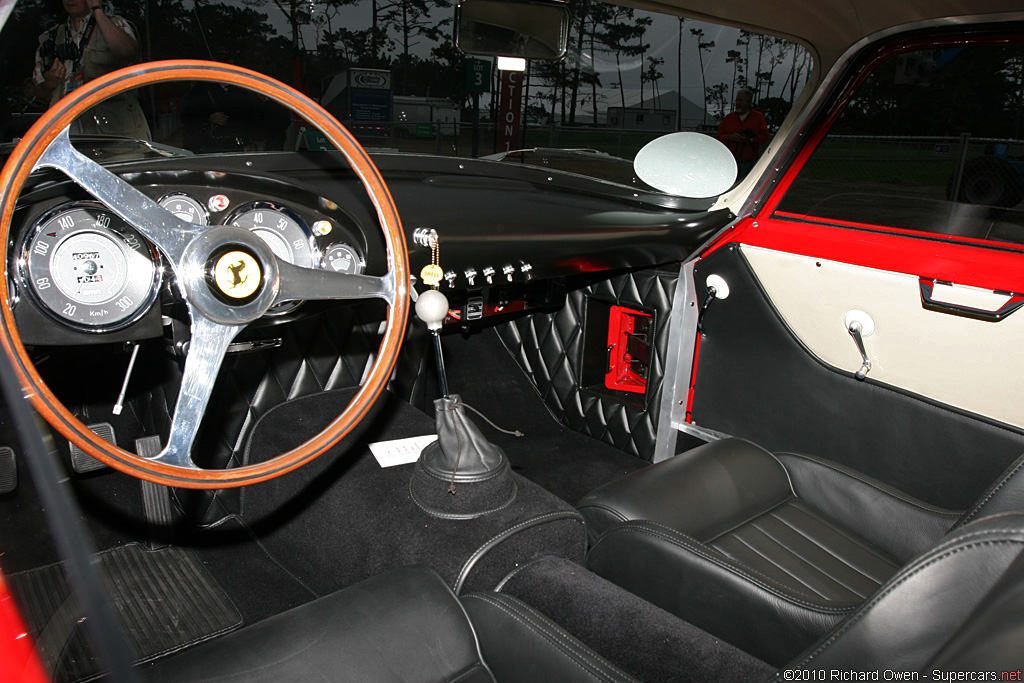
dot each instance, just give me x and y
(89, 269)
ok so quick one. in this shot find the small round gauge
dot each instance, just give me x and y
(186, 207)
(89, 269)
(342, 258)
(285, 233)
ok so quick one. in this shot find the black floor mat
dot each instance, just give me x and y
(164, 598)
(562, 460)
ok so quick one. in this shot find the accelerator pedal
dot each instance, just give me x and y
(81, 461)
(8, 470)
(156, 499)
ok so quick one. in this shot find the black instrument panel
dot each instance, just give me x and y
(505, 232)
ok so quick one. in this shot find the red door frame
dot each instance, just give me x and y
(19, 662)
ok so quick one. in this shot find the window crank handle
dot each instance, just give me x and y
(855, 328)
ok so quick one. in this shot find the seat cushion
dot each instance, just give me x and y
(796, 546)
(766, 552)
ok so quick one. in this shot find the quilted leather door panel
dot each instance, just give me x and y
(549, 348)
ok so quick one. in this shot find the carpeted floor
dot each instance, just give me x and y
(563, 461)
(641, 639)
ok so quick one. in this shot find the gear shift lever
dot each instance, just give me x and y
(461, 453)
(432, 308)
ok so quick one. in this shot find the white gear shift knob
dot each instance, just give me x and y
(432, 308)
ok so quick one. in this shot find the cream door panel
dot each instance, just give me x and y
(974, 365)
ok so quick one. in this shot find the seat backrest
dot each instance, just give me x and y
(937, 602)
(1005, 495)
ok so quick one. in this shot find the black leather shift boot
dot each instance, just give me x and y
(462, 474)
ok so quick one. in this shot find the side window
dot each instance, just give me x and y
(932, 140)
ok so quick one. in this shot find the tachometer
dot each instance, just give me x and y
(284, 232)
(89, 269)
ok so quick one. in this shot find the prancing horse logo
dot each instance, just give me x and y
(236, 277)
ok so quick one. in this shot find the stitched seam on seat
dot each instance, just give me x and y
(778, 566)
(605, 508)
(833, 555)
(853, 539)
(855, 618)
(746, 572)
(744, 522)
(992, 492)
(560, 640)
(566, 647)
(466, 673)
(895, 493)
(807, 560)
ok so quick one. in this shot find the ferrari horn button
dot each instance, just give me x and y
(237, 275)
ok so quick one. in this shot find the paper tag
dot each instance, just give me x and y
(400, 451)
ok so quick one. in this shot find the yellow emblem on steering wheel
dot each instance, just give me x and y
(237, 274)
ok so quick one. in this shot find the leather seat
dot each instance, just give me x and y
(403, 626)
(956, 607)
(766, 551)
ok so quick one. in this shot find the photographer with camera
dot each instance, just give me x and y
(743, 132)
(88, 44)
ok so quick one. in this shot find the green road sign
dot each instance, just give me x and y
(478, 74)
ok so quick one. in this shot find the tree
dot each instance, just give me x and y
(735, 58)
(702, 47)
(411, 20)
(618, 37)
(714, 98)
(774, 109)
(652, 75)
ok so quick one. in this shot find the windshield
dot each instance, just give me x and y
(390, 72)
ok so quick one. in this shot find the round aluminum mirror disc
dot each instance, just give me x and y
(686, 164)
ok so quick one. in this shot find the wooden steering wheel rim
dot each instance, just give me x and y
(23, 160)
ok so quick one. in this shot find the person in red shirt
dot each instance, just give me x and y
(743, 132)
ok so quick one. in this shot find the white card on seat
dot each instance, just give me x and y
(400, 451)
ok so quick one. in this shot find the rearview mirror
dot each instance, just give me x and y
(531, 29)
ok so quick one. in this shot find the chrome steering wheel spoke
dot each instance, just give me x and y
(207, 348)
(297, 284)
(170, 234)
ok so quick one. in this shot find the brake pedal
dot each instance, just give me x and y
(81, 461)
(8, 470)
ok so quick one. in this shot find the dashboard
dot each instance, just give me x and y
(507, 237)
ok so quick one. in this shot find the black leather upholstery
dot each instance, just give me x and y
(549, 348)
(766, 551)
(521, 644)
(404, 626)
(929, 611)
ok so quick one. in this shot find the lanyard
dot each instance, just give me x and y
(82, 42)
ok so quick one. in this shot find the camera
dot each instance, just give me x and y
(65, 51)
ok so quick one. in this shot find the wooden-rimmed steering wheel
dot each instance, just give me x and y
(203, 258)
